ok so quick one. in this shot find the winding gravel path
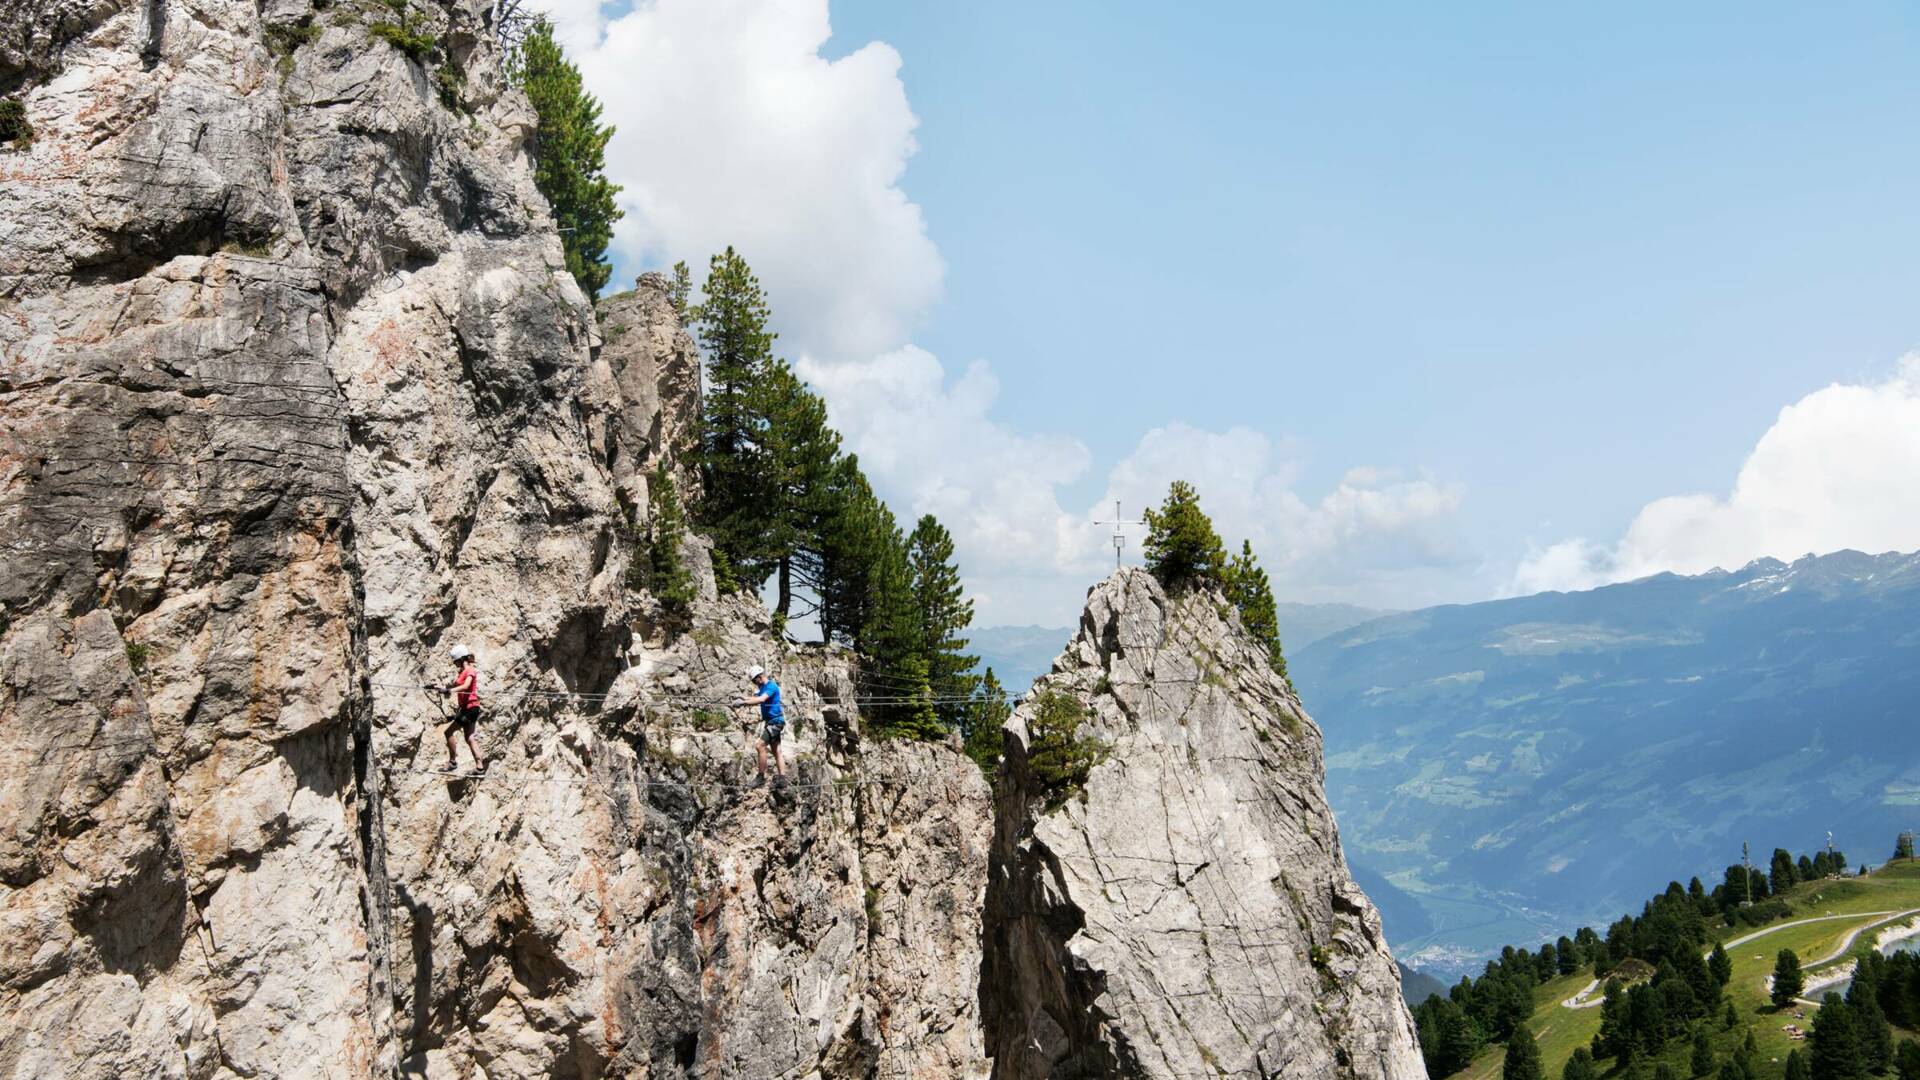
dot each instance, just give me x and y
(1585, 999)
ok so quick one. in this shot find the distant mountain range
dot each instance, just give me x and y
(1508, 770)
(1020, 654)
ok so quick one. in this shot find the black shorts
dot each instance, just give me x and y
(466, 719)
(770, 733)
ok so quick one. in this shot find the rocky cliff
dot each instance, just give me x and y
(1183, 909)
(295, 394)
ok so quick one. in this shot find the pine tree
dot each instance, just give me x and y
(1567, 961)
(799, 451)
(569, 155)
(1523, 1057)
(945, 613)
(985, 717)
(1906, 1061)
(1664, 1071)
(1580, 1066)
(1720, 964)
(856, 530)
(1702, 1062)
(1876, 1034)
(1059, 755)
(1730, 1019)
(1903, 846)
(1247, 587)
(680, 292)
(668, 579)
(1803, 868)
(1182, 549)
(1834, 1043)
(732, 324)
(1797, 1066)
(1780, 873)
(890, 639)
(1787, 980)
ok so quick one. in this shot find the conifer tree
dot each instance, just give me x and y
(680, 292)
(1797, 1066)
(1702, 1062)
(1568, 961)
(1247, 587)
(1834, 1043)
(1580, 1066)
(1906, 1061)
(1876, 1034)
(945, 614)
(890, 639)
(733, 330)
(1780, 872)
(668, 579)
(1787, 980)
(1903, 846)
(569, 155)
(1664, 1071)
(985, 717)
(1720, 964)
(1523, 1057)
(799, 451)
(1181, 547)
(1730, 1019)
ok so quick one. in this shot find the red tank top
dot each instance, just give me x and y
(466, 689)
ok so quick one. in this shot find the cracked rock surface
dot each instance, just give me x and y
(295, 394)
(1188, 911)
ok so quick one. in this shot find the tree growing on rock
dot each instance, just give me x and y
(945, 613)
(732, 326)
(986, 715)
(569, 156)
(656, 565)
(1182, 549)
(1058, 754)
(1247, 587)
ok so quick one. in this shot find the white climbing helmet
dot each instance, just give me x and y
(461, 652)
(756, 671)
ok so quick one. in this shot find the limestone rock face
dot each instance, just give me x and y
(656, 369)
(295, 394)
(1187, 910)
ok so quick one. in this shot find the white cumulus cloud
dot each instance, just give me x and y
(1838, 469)
(732, 129)
(1379, 537)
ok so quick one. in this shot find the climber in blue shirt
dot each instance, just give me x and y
(773, 721)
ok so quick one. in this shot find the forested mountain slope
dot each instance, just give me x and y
(1529, 764)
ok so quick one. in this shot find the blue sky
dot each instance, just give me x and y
(1552, 264)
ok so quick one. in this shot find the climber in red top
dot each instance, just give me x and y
(465, 690)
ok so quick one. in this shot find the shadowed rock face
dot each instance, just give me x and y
(1188, 911)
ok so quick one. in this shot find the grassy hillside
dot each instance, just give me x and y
(1857, 902)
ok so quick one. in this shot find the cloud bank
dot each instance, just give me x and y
(1838, 469)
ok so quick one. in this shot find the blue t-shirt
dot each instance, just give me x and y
(770, 709)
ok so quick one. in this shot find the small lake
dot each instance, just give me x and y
(1904, 945)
